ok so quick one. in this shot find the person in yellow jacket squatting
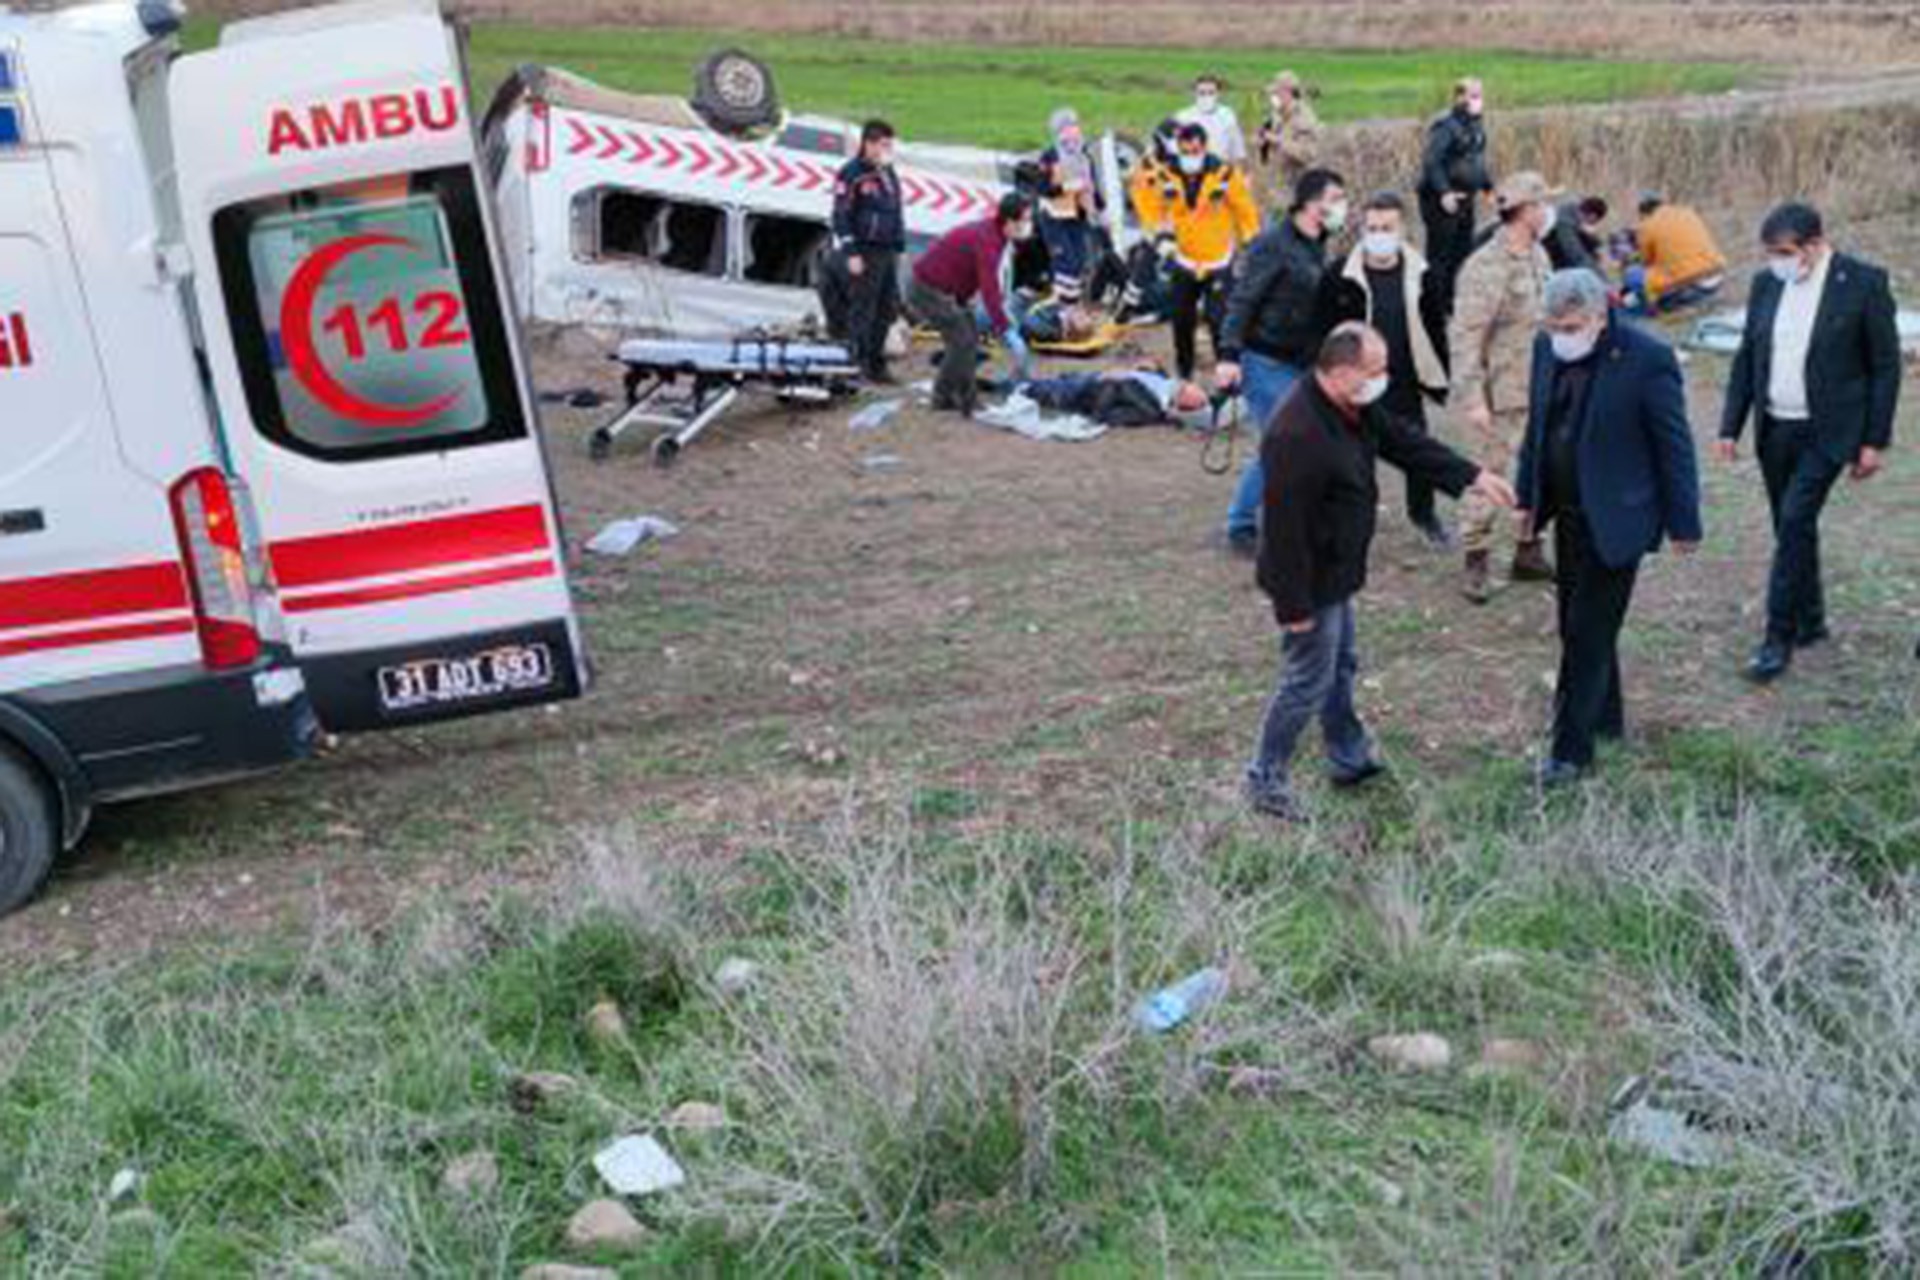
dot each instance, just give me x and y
(1203, 212)
(1680, 265)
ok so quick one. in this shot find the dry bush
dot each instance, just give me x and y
(940, 1011)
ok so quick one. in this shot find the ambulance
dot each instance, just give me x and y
(269, 462)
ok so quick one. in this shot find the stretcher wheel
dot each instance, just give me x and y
(600, 445)
(666, 450)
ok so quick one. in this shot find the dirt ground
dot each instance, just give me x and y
(1018, 627)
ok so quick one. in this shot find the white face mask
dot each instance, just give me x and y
(1334, 216)
(1206, 101)
(1372, 390)
(1381, 244)
(1571, 348)
(1192, 164)
(1788, 270)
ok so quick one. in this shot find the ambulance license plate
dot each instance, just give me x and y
(436, 682)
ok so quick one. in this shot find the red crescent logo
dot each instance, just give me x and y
(296, 336)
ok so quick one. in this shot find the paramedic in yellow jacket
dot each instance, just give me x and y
(1203, 212)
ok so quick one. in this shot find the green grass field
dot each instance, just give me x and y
(1001, 97)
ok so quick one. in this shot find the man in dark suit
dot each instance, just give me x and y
(1608, 461)
(1819, 367)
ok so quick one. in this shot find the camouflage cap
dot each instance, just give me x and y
(1525, 187)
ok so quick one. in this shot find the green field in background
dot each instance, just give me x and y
(1001, 96)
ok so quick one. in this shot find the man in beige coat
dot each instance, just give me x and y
(1497, 311)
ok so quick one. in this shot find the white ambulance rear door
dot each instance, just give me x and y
(370, 380)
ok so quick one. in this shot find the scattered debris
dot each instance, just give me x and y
(1498, 961)
(605, 1224)
(124, 1185)
(697, 1117)
(1166, 1009)
(536, 1089)
(621, 537)
(1659, 1131)
(1422, 1051)
(474, 1176)
(637, 1165)
(876, 415)
(883, 462)
(735, 975)
(1020, 415)
(606, 1025)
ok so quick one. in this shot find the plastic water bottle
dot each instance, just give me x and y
(1164, 1010)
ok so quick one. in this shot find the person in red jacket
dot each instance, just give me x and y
(966, 263)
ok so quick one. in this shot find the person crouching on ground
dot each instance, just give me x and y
(964, 264)
(1320, 501)
(1608, 461)
(1387, 283)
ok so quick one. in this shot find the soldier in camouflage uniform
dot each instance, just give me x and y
(1496, 316)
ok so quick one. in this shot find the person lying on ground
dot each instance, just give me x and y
(1142, 396)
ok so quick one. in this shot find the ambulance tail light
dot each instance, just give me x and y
(216, 556)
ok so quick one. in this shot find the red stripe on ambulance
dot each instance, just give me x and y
(96, 635)
(97, 593)
(16, 351)
(388, 592)
(403, 548)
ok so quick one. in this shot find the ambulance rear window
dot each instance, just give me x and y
(366, 318)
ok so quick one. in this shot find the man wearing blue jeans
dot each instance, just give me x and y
(1276, 316)
(1319, 505)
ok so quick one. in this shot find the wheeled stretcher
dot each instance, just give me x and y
(718, 371)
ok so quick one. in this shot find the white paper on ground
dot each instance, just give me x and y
(637, 1165)
(622, 536)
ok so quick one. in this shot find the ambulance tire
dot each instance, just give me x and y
(733, 91)
(29, 829)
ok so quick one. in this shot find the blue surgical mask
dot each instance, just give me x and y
(1192, 164)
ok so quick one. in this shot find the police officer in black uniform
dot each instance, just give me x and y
(870, 234)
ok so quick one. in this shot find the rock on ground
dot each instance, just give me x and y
(605, 1224)
(567, 1271)
(473, 1176)
(606, 1025)
(1422, 1051)
(535, 1089)
(1512, 1055)
(697, 1117)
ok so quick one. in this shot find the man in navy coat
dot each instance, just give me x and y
(1608, 461)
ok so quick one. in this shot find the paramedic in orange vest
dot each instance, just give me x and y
(1203, 212)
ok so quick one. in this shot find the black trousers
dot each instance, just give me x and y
(1593, 599)
(1449, 243)
(1195, 296)
(1420, 495)
(873, 305)
(1799, 479)
(956, 386)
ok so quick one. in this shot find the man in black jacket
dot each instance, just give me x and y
(870, 233)
(1819, 367)
(1388, 284)
(1280, 307)
(1320, 503)
(1453, 175)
